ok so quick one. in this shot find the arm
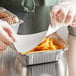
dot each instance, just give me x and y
(64, 14)
(71, 53)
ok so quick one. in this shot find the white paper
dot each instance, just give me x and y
(25, 43)
(52, 29)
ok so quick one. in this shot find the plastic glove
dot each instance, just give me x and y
(6, 35)
(63, 14)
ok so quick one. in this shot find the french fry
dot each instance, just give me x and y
(48, 43)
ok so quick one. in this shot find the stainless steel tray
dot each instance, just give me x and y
(10, 66)
(43, 57)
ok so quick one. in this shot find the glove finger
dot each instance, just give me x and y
(74, 20)
(61, 14)
(8, 29)
(53, 18)
(10, 33)
(5, 37)
(69, 18)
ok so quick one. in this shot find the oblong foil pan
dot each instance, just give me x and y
(43, 57)
(10, 18)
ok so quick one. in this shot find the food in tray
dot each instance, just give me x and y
(48, 43)
(6, 15)
(3, 15)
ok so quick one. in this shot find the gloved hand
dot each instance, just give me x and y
(6, 35)
(63, 14)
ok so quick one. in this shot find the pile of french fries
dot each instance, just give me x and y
(47, 44)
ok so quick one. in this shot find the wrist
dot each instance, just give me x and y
(72, 30)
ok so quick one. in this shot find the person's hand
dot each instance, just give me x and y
(63, 14)
(6, 35)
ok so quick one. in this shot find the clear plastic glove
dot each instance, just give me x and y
(63, 14)
(6, 35)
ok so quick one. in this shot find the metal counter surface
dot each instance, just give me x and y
(10, 66)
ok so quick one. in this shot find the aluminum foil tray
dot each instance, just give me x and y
(10, 18)
(43, 57)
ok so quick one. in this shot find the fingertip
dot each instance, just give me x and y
(10, 33)
(14, 40)
(60, 16)
(69, 17)
(13, 37)
(74, 20)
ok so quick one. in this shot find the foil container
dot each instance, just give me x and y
(45, 56)
(10, 18)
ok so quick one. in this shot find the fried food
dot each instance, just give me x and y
(47, 44)
(6, 17)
